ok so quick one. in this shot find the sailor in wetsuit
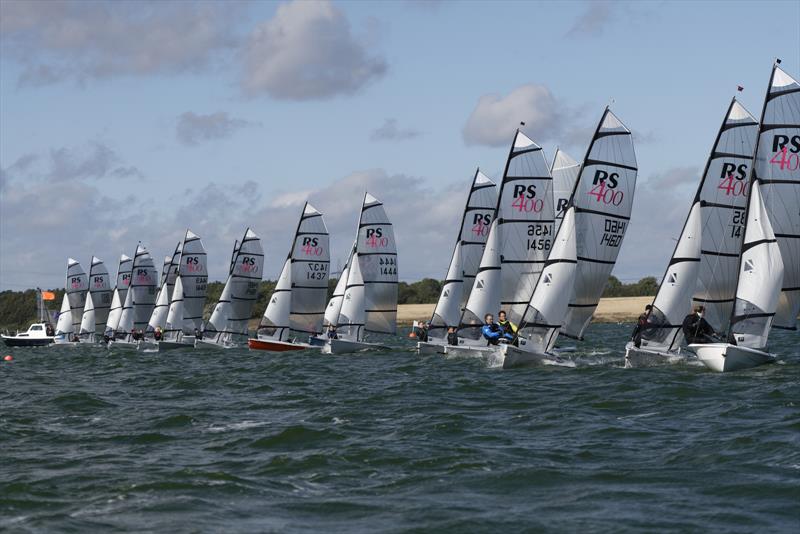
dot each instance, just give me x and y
(641, 325)
(509, 328)
(452, 336)
(493, 332)
(696, 329)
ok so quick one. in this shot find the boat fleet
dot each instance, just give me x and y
(540, 245)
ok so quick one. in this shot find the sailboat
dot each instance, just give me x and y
(548, 305)
(184, 323)
(158, 318)
(228, 325)
(603, 199)
(86, 333)
(519, 241)
(370, 299)
(139, 301)
(298, 301)
(702, 268)
(38, 334)
(769, 264)
(473, 232)
(118, 297)
(334, 307)
(77, 285)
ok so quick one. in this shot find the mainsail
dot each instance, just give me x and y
(143, 287)
(76, 287)
(761, 273)
(525, 217)
(777, 168)
(549, 303)
(472, 235)
(193, 272)
(231, 315)
(603, 199)
(310, 261)
(722, 196)
(376, 250)
(565, 172)
(703, 265)
(100, 290)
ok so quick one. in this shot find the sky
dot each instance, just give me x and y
(133, 121)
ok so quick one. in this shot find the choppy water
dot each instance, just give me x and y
(244, 441)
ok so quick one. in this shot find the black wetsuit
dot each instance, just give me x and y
(697, 330)
(639, 330)
(452, 338)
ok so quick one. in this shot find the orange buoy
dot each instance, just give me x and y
(8, 357)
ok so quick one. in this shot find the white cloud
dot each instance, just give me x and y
(306, 51)
(81, 40)
(389, 131)
(192, 128)
(495, 117)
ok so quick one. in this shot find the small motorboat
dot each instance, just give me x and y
(34, 336)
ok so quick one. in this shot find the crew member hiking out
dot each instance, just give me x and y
(492, 331)
(696, 329)
(641, 326)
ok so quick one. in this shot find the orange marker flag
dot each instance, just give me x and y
(48, 295)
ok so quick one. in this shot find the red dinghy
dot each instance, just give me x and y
(276, 346)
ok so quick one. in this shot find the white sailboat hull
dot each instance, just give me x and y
(343, 346)
(516, 357)
(724, 358)
(642, 357)
(430, 347)
(214, 345)
(470, 351)
(123, 345)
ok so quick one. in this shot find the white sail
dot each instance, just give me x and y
(485, 295)
(64, 322)
(310, 257)
(176, 322)
(158, 319)
(674, 298)
(88, 318)
(77, 286)
(565, 173)
(335, 304)
(143, 286)
(472, 235)
(230, 318)
(353, 316)
(376, 250)
(525, 216)
(777, 166)
(233, 255)
(172, 273)
(127, 319)
(550, 300)
(124, 277)
(275, 322)
(100, 289)
(761, 273)
(164, 271)
(115, 313)
(722, 195)
(193, 272)
(603, 199)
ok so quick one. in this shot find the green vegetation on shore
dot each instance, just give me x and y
(18, 308)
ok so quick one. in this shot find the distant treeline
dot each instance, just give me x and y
(18, 308)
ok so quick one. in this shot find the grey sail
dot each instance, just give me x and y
(722, 197)
(310, 258)
(565, 173)
(193, 271)
(777, 168)
(143, 287)
(475, 223)
(603, 199)
(100, 289)
(525, 218)
(377, 257)
(77, 285)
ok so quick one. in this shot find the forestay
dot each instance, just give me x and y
(143, 287)
(231, 315)
(475, 223)
(193, 271)
(565, 172)
(310, 259)
(100, 290)
(722, 196)
(603, 199)
(353, 316)
(777, 168)
(525, 217)
(549, 303)
(377, 256)
(76, 287)
(761, 273)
